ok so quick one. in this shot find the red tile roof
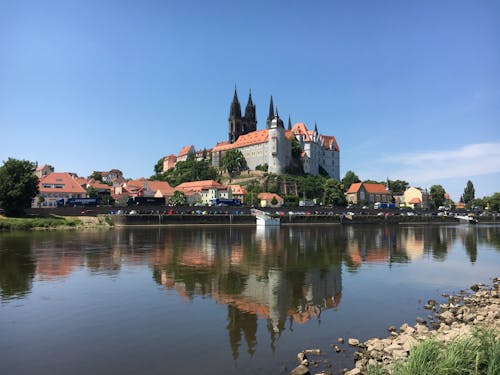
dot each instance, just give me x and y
(185, 150)
(163, 186)
(329, 140)
(199, 185)
(415, 201)
(238, 190)
(354, 188)
(301, 128)
(68, 183)
(376, 188)
(252, 138)
(269, 197)
(370, 188)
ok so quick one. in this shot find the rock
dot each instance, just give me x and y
(312, 351)
(447, 315)
(428, 306)
(336, 348)
(475, 287)
(340, 340)
(391, 328)
(300, 370)
(301, 356)
(353, 342)
(432, 302)
(354, 371)
(420, 320)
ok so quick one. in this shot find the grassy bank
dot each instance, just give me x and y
(12, 224)
(476, 353)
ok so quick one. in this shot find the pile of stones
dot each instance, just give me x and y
(445, 322)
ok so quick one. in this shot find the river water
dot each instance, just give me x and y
(206, 300)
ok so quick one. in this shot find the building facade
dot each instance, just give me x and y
(272, 146)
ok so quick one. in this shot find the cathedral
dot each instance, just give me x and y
(272, 146)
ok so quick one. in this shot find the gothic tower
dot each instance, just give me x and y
(235, 120)
(250, 119)
(271, 114)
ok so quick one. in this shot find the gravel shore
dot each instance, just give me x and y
(447, 321)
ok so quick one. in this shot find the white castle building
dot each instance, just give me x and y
(272, 146)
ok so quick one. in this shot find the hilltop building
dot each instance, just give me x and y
(272, 146)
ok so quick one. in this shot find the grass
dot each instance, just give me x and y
(12, 224)
(475, 354)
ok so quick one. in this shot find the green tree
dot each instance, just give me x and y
(233, 162)
(253, 189)
(398, 186)
(188, 170)
(349, 179)
(437, 193)
(468, 195)
(494, 202)
(92, 192)
(97, 176)
(177, 199)
(158, 168)
(274, 201)
(333, 193)
(18, 185)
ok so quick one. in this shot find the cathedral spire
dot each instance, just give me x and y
(289, 123)
(235, 111)
(271, 113)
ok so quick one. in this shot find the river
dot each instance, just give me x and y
(227, 300)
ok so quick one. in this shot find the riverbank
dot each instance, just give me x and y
(449, 325)
(53, 223)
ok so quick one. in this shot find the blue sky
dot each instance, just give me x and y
(411, 90)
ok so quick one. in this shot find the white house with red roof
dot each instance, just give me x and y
(55, 187)
(207, 190)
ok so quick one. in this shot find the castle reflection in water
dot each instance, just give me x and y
(280, 276)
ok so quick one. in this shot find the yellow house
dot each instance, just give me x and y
(416, 198)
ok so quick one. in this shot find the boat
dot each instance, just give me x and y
(466, 219)
(264, 219)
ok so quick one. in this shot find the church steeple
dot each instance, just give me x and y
(271, 113)
(235, 111)
(289, 123)
(235, 120)
(250, 119)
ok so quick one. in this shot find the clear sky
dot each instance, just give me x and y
(410, 89)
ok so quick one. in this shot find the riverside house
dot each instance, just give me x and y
(56, 186)
(370, 193)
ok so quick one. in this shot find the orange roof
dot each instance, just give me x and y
(67, 183)
(99, 185)
(375, 188)
(185, 150)
(238, 190)
(171, 157)
(301, 128)
(199, 185)
(354, 188)
(330, 141)
(252, 138)
(137, 183)
(163, 186)
(415, 201)
(269, 197)
(80, 180)
(370, 188)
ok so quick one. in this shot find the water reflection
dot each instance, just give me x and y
(234, 255)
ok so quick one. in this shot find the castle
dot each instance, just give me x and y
(272, 146)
